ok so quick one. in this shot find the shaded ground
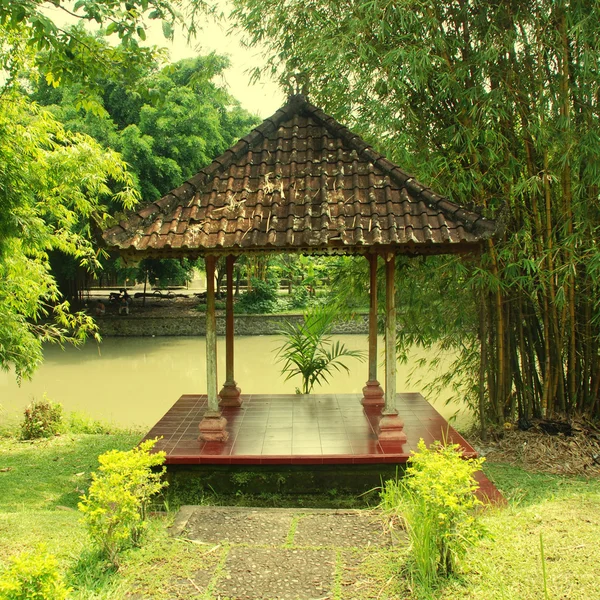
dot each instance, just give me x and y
(282, 554)
(177, 304)
(574, 453)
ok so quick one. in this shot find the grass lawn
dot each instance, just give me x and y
(40, 483)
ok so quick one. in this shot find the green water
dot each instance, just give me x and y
(134, 381)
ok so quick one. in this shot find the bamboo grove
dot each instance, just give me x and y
(495, 103)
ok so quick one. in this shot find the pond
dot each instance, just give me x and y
(134, 381)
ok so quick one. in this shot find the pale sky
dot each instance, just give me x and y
(262, 98)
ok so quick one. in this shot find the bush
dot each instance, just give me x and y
(33, 576)
(299, 297)
(262, 299)
(436, 503)
(42, 418)
(116, 506)
(79, 422)
(308, 350)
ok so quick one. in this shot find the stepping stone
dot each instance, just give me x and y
(238, 526)
(352, 529)
(277, 574)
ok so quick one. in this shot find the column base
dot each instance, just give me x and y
(212, 428)
(391, 428)
(372, 394)
(230, 395)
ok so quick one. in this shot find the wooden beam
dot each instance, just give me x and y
(391, 425)
(212, 426)
(230, 394)
(372, 392)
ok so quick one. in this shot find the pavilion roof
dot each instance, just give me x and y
(301, 182)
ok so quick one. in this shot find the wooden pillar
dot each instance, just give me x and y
(230, 394)
(372, 392)
(391, 425)
(212, 426)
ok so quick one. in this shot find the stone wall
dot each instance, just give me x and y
(139, 325)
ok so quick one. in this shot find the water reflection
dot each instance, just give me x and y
(134, 381)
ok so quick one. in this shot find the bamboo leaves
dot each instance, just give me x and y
(495, 104)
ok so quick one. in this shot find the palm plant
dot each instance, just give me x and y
(309, 351)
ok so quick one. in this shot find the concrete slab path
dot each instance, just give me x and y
(284, 554)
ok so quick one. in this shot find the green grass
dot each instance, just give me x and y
(39, 494)
(524, 488)
(47, 473)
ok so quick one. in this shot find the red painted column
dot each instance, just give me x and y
(212, 426)
(391, 425)
(372, 392)
(230, 394)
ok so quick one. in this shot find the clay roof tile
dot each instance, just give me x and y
(299, 180)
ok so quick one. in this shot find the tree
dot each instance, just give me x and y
(495, 104)
(55, 184)
(63, 54)
(48, 180)
(167, 123)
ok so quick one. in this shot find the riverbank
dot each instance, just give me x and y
(40, 483)
(179, 323)
(180, 316)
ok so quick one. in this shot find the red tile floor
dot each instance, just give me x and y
(302, 430)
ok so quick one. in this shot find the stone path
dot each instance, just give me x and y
(283, 554)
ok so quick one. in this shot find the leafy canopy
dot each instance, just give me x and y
(495, 105)
(48, 180)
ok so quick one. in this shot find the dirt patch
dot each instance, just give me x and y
(193, 586)
(239, 526)
(535, 450)
(342, 530)
(277, 574)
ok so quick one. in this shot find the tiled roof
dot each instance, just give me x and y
(301, 182)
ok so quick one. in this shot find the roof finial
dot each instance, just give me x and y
(298, 84)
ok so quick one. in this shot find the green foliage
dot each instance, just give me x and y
(115, 508)
(73, 54)
(53, 186)
(42, 418)
(79, 422)
(262, 299)
(33, 576)
(299, 297)
(436, 502)
(493, 105)
(167, 123)
(308, 350)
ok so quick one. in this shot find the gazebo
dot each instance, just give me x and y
(300, 182)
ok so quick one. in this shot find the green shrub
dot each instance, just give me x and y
(261, 300)
(299, 297)
(219, 305)
(309, 351)
(79, 422)
(33, 576)
(42, 418)
(436, 501)
(115, 508)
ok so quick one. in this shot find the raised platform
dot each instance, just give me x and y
(332, 429)
(301, 430)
